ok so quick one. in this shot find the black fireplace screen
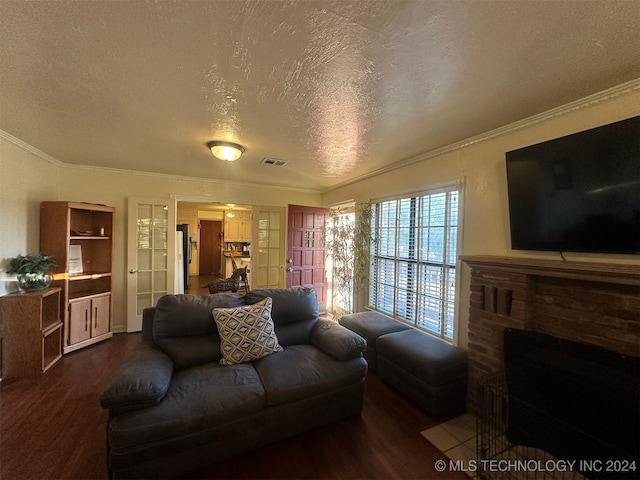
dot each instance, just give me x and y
(498, 458)
(564, 402)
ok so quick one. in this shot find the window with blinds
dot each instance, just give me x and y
(413, 272)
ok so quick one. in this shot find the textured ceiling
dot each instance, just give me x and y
(336, 88)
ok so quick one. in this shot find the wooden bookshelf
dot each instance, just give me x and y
(79, 236)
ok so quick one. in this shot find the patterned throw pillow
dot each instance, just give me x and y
(246, 333)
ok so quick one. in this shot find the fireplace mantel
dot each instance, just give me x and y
(618, 273)
(590, 303)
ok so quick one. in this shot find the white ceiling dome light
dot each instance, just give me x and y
(227, 151)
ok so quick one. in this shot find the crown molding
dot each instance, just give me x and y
(215, 181)
(603, 96)
(39, 153)
(30, 148)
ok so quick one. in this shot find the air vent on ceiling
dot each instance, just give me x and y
(274, 161)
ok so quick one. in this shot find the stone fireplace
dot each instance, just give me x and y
(591, 303)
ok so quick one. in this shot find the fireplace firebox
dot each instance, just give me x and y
(560, 400)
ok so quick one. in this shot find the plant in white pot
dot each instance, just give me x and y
(32, 271)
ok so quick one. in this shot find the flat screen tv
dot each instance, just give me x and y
(579, 193)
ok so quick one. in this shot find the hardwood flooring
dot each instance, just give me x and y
(53, 427)
(198, 284)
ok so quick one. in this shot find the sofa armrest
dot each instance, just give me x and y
(337, 341)
(140, 381)
(148, 317)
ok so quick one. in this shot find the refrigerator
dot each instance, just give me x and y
(186, 253)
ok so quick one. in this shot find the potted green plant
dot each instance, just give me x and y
(32, 271)
(348, 242)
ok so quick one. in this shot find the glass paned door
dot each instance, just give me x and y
(268, 247)
(151, 255)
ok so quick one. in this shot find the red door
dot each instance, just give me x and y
(306, 250)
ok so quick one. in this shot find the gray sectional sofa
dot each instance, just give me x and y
(173, 407)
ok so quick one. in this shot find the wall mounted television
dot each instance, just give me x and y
(579, 193)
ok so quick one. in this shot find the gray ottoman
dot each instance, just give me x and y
(370, 325)
(428, 371)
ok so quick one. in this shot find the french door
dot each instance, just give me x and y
(268, 227)
(151, 254)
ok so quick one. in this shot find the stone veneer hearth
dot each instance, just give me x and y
(593, 303)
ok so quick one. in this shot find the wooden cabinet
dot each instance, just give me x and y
(30, 333)
(79, 236)
(89, 317)
(238, 228)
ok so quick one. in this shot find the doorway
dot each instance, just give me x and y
(210, 258)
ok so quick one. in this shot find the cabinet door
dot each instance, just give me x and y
(79, 321)
(100, 308)
(246, 231)
(233, 231)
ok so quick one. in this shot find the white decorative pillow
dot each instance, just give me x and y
(246, 333)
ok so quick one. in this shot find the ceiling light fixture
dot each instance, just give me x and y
(226, 151)
(230, 213)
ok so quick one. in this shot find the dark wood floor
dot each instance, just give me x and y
(198, 284)
(53, 428)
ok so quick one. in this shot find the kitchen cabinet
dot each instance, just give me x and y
(238, 228)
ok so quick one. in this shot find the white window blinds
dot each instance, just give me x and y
(414, 260)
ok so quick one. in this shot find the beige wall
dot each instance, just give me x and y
(28, 177)
(481, 166)
(114, 188)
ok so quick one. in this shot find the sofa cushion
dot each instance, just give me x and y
(303, 371)
(294, 312)
(184, 329)
(246, 333)
(199, 398)
(140, 381)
